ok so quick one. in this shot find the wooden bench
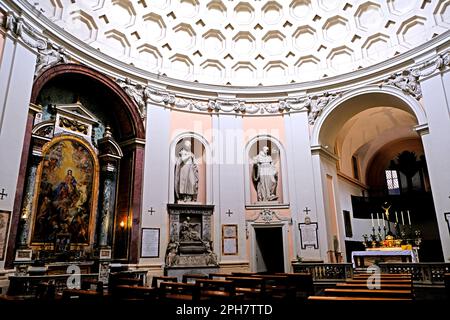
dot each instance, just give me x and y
(345, 298)
(216, 290)
(84, 295)
(132, 293)
(213, 276)
(276, 286)
(187, 277)
(381, 281)
(346, 285)
(301, 284)
(177, 291)
(248, 288)
(157, 279)
(407, 294)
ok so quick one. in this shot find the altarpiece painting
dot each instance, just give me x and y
(67, 185)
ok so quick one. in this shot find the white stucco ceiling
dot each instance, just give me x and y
(250, 42)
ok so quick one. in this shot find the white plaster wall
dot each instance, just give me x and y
(228, 171)
(437, 150)
(328, 167)
(16, 79)
(156, 176)
(301, 179)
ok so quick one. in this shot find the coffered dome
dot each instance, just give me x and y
(252, 42)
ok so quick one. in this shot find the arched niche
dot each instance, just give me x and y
(66, 188)
(265, 179)
(103, 99)
(190, 159)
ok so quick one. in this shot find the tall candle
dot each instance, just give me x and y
(384, 221)
(378, 220)
(409, 218)
(372, 219)
(396, 218)
(403, 219)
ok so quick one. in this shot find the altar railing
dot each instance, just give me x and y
(422, 272)
(325, 271)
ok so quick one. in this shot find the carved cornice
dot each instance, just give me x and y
(439, 62)
(48, 53)
(314, 104)
(408, 80)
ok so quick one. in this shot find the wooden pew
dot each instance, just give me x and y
(216, 276)
(447, 284)
(81, 295)
(178, 291)
(216, 290)
(157, 279)
(276, 286)
(346, 285)
(355, 299)
(407, 294)
(187, 277)
(134, 293)
(382, 281)
(302, 284)
(248, 288)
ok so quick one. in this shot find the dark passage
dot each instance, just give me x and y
(269, 251)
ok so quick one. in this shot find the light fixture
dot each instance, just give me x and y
(122, 224)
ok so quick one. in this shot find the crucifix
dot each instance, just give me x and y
(229, 213)
(306, 210)
(151, 211)
(3, 194)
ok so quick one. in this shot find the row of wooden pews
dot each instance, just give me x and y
(370, 288)
(220, 288)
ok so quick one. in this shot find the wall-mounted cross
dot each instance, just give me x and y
(306, 210)
(3, 194)
(151, 211)
(229, 213)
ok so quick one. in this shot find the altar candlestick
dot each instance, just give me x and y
(396, 218)
(409, 218)
(403, 219)
(378, 220)
(372, 220)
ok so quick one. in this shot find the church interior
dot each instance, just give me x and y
(225, 151)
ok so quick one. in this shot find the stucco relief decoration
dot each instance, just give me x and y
(49, 54)
(316, 103)
(137, 92)
(73, 125)
(407, 81)
(267, 215)
(438, 63)
(313, 103)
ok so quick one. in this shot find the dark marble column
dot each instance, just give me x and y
(27, 206)
(107, 200)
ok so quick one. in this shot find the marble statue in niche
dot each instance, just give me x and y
(265, 176)
(186, 175)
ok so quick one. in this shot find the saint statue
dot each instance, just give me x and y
(186, 175)
(265, 176)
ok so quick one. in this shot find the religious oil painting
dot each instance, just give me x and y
(65, 193)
